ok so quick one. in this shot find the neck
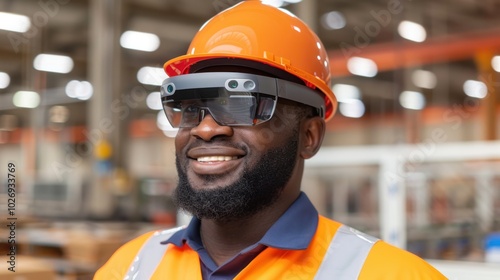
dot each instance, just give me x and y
(223, 240)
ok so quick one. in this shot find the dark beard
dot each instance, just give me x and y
(257, 189)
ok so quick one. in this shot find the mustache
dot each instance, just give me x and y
(195, 143)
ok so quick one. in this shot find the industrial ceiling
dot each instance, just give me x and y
(458, 33)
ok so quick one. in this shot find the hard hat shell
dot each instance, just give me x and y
(253, 31)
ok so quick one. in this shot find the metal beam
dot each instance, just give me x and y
(392, 56)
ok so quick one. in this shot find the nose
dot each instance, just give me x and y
(208, 129)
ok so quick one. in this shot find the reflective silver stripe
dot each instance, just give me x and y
(346, 255)
(149, 256)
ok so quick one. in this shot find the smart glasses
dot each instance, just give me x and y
(232, 99)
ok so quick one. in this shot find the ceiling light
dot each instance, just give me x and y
(353, 108)
(495, 63)
(424, 79)
(362, 67)
(412, 100)
(153, 101)
(344, 92)
(293, 1)
(14, 22)
(151, 75)
(26, 99)
(274, 3)
(4, 80)
(333, 20)
(412, 31)
(140, 41)
(475, 89)
(53, 63)
(82, 90)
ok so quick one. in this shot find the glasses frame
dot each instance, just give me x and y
(172, 88)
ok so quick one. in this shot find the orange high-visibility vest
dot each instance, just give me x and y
(335, 252)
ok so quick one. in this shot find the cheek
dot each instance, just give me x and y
(181, 139)
(262, 138)
(274, 133)
(283, 123)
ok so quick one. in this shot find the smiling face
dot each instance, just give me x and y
(228, 173)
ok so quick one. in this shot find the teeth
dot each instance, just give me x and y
(216, 158)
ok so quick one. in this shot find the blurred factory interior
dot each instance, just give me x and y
(412, 155)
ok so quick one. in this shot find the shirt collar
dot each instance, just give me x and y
(294, 230)
(191, 234)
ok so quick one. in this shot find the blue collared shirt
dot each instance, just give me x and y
(294, 230)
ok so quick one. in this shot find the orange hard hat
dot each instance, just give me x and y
(257, 32)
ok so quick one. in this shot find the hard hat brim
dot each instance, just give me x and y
(182, 64)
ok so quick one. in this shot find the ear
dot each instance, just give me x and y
(312, 132)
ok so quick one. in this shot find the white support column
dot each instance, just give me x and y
(420, 193)
(315, 190)
(484, 200)
(104, 73)
(392, 198)
(340, 198)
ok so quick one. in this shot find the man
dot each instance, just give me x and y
(250, 99)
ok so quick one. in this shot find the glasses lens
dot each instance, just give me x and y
(242, 109)
(234, 110)
(173, 113)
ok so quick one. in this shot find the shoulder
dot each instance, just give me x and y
(383, 261)
(389, 262)
(117, 266)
